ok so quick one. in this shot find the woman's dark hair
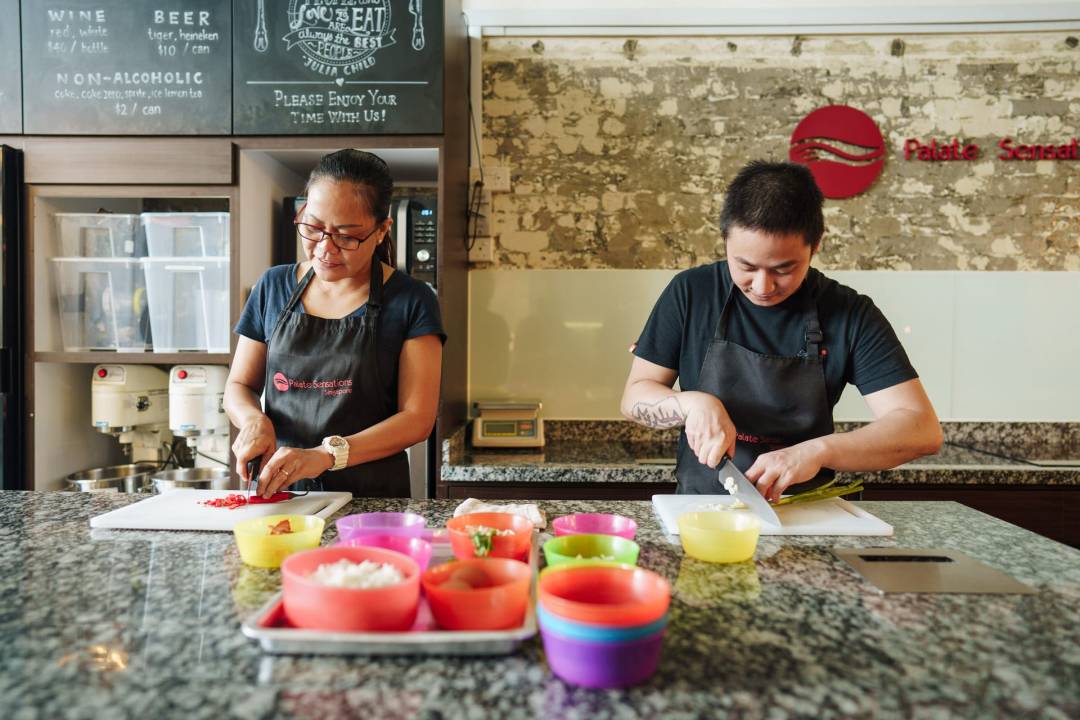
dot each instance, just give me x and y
(371, 176)
(774, 198)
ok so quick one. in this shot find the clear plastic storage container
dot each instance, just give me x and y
(187, 234)
(98, 235)
(103, 304)
(189, 303)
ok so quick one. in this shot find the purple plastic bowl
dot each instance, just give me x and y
(416, 548)
(381, 523)
(594, 523)
(602, 664)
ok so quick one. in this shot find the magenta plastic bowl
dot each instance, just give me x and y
(381, 523)
(602, 664)
(416, 548)
(594, 524)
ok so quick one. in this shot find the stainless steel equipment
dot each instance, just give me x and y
(196, 412)
(198, 478)
(131, 402)
(929, 570)
(131, 478)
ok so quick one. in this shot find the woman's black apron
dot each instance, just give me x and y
(322, 378)
(773, 401)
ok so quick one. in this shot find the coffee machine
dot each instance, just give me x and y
(196, 412)
(131, 402)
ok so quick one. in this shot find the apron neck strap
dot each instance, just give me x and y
(296, 293)
(812, 333)
(375, 290)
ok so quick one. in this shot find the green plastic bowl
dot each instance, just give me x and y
(591, 548)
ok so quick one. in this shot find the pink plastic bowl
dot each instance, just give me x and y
(381, 523)
(312, 606)
(595, 524)
(416, 548)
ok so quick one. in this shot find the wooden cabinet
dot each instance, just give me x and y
(1051, 511)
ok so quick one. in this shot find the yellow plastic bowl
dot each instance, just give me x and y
(259, 548)
(719, 536)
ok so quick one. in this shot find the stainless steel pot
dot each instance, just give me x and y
(130, 478)
(193, 479)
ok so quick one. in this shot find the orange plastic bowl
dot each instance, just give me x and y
(516, 546)
(312, 606)
(607, 594)
(496, 600)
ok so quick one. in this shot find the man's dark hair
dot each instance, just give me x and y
(774, 198)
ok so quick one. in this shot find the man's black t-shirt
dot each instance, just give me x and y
(862, 348)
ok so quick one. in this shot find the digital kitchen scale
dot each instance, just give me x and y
(508, 424)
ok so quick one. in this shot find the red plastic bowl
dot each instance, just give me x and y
(610, 595)
(516, 546)
(496, 607)
(594, 524)
(312, 606)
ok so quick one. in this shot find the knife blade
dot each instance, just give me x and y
(253, 467)
(745, 492)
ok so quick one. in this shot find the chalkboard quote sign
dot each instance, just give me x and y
(337, 66)
(10, 68)
(117, 67)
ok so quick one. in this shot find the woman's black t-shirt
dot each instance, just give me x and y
(410, 309)
(861, 347)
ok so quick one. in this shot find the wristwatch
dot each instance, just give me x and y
(338, 447)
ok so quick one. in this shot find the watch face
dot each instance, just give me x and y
(338, 441)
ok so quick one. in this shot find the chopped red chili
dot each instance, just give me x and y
(231, 501)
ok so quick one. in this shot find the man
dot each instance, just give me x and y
(763, 345)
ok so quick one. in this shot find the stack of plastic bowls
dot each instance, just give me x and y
(602, 624)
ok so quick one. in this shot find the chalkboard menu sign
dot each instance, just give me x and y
(342, 67)
(10, 70)
(117, 67)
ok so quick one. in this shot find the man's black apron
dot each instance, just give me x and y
(322, 378)
(773, 401)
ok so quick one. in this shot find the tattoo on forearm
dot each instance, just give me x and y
(664, 413)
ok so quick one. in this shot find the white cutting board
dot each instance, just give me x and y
(834, 516)
(180, 510)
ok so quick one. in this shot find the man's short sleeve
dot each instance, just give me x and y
(253, 317)
(878, 360)
(662, 339)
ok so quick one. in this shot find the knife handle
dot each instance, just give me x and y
(253, 467)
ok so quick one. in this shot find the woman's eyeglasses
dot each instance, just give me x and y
(316, 233)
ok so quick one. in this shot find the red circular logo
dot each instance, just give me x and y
(842, 147)
(281, 382)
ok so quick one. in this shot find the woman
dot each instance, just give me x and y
(352, 349)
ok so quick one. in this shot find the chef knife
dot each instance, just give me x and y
(253, 467)
(746, 493)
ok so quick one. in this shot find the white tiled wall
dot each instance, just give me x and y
(988, 345)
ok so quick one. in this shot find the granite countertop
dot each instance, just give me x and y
(602, 451)
(146, 624)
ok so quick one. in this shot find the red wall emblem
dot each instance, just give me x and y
(281, 382)
(840, 172)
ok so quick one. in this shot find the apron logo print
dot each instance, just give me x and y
(281, 382)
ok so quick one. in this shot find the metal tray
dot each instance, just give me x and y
(275, 635)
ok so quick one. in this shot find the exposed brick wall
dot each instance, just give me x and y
(620, 148)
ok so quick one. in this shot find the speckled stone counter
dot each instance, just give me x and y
(621, 452)
(124, 624)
